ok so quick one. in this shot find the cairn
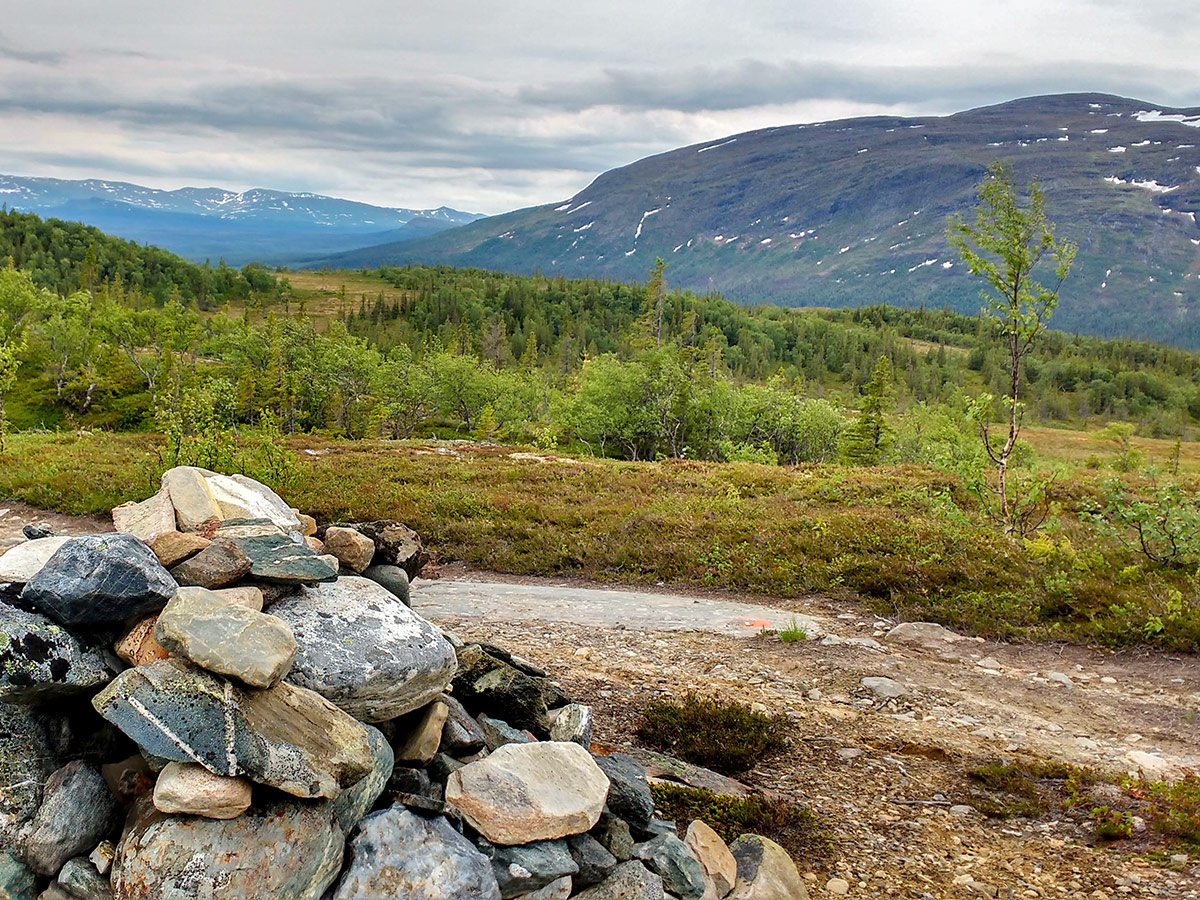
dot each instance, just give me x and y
(220, 700)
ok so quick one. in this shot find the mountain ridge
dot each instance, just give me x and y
(259, 224)
(798, 214)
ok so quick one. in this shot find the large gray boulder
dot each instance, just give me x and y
(99, 578)
(284, 850)
(41, 660)
(226, 638)
(529, 792)
(364, 650)
(395, 853)
(284, 736)
(77, 811)
(629, 794)
(26, 761)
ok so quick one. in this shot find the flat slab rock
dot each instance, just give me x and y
(395, 853)
(530, 792)
(285, 736)
(41, 660)
(364, 650)
(20, 563)
(225, 638)
(99, 578)
(284, 850)
(282, 559)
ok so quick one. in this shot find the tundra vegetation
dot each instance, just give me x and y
(663, 436)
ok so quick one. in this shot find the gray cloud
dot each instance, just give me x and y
(488, 107)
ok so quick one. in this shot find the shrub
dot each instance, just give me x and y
(790, 826)
(726, 737)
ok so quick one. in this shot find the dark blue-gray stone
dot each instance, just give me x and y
(527, 867)
(395, 853)
(81, 880)
(461, 735)
(594, 861)
(42, 660)
(283, 736)
(629, 792)
(669, 858)
(283, 559)
(77, 811)
(98, 578)
(393, 578)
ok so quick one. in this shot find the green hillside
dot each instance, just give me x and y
(852, 213)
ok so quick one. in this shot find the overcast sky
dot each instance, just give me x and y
(487, 106)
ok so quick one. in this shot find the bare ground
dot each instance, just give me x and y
(882, 774)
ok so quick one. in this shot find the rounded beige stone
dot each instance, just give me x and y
(191, 789)
(530, 792)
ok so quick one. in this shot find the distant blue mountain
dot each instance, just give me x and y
(212, 223)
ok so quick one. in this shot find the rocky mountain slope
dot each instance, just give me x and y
(853, 212)
(213, 223)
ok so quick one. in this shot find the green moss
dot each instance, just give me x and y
(726, 737)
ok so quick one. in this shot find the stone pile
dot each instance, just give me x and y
(220, 700)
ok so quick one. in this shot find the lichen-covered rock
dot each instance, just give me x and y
(573, 722)
(77, 811)
(629, 881)
(284, 736)
(191, 789)
(280, 559)
(529, 792)
(395, 853)
(488, 684)
(99, 578)
(19, 564)
(17, 881)
(41, 660)
(356, 801)
(80, 879)
(225, 638)
(364, 650)
(765, 871)
(282, 850)
(555, 890)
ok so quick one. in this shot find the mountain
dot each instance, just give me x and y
(853, 212)
(212, 223)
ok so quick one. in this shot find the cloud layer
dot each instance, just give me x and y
(487, 106)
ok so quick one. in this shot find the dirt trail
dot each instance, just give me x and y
(883, 774)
